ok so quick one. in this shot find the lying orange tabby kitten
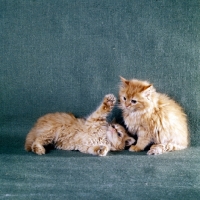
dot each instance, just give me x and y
(153, 117)
(92, 135)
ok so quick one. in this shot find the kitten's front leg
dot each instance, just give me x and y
(99, 150)
(107, 105)
(109, 102)
(102, 111)
(156, 149)
(142, 142)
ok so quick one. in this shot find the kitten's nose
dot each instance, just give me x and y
(127, 104)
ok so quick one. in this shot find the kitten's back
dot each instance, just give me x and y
(174, 117)
(49, 122)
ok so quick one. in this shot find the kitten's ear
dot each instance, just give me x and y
(129, 141)
(124, 81)
(148, 91)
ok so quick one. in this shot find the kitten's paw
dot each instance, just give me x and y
(109, 101)
(38, 149)
(155, 150)
(102, 151)
(134, 148)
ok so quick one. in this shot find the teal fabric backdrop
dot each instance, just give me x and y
(65, 55)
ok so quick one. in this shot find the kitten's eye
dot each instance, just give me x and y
(113, 126)
(124, 98)
(119, 134)
(133, 101)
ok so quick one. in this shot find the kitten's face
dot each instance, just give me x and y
(135, 95)
(118, 137)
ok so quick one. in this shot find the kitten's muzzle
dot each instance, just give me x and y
(127, 104)
(111, 128)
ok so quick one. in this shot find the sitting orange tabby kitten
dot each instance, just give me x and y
(92, 135)
(153, 117)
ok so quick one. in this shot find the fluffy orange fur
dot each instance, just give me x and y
(92, 135)
(153, 117)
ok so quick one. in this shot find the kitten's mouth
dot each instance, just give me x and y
(111, 130)
(130, 109)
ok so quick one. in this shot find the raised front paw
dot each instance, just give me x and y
(109, 101)
(102, 150)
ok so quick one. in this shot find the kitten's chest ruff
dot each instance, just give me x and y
(134, 122)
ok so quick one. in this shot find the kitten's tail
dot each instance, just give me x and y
(30, 138)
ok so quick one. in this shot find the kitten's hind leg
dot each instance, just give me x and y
(38, 148)
(43, 139)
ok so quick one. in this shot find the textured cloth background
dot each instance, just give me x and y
(65, 55)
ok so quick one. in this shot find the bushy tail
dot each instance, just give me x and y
(30, 138)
